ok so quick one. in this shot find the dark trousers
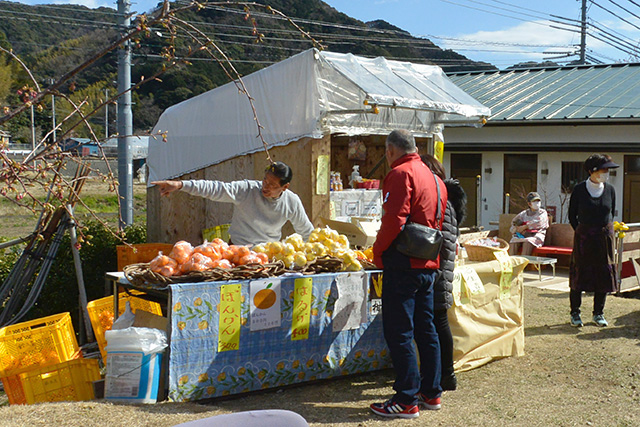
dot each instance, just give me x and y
(441, 321)
(599, 298)
(407, 314)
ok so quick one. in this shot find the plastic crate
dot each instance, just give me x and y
(67, 381)
(143, 252)
(13, 384)
(101, 314)
(219, 231)
(13, 388)
(38, 342)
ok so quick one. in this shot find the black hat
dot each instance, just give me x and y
(533, 196)
(599, 161)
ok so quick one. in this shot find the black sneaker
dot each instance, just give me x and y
(600, 320)
(576, 320)
(449, 382)
(393, 409)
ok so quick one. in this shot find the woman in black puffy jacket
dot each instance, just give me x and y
(442, 288)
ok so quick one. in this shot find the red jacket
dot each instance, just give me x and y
(409, 189)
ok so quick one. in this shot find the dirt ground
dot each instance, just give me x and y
(568, 377)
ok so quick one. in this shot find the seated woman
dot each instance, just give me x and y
(529, 227)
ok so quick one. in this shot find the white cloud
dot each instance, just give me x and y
(525, 42)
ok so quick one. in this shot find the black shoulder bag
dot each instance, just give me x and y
(419, 241)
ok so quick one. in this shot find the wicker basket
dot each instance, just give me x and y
(141, 275)
(477, 252)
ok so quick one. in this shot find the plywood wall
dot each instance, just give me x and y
(183, 217)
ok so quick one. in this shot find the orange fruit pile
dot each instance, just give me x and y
(184, 258)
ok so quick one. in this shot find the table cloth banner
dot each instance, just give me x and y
(269, 357)
(485, 327)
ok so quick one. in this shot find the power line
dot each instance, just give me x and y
(611, 30)
(112, 24)
(74, 9)
(614, 14)
(625, 9)
(615, 38)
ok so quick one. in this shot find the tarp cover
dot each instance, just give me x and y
(310, 94)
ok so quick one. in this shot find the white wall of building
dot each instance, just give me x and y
(549, 185)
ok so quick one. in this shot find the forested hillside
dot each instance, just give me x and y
(53, 39)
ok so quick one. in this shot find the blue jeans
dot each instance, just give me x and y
(407, 314)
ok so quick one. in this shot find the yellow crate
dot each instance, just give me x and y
(219, 231)
(13, 384)
(101, 314)
(13, 388)
(67, 381)
(38, 342)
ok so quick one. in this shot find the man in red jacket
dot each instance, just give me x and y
(409, 190)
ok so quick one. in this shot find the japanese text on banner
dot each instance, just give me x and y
(229, 321)
(506, 273)
(301, 309)
(472, 280)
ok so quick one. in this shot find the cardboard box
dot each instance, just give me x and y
(144, 319)
(362, 234)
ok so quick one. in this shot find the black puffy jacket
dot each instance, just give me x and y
(454, 214)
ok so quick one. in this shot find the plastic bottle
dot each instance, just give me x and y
(355, 176)
(339, 186)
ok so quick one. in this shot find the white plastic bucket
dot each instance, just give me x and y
(134, 360)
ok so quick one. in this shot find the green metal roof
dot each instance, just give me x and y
(584, 92)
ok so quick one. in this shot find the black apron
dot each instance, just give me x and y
(593, 267)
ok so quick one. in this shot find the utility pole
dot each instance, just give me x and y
(53, 116)
(125, 119)
(33, 129)
(583, 33)
(106, 115)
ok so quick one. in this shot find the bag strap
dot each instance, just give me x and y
(438, 202)
(438, 211)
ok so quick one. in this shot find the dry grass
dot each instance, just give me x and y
(19, 222)
(588, 377)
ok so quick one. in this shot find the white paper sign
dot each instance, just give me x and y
(265, 304)
(472, 280)
(350, 208)
(376, 307)
(350, 309)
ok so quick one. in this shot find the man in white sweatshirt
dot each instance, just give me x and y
(262, 207)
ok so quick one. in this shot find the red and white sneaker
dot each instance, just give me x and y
(393, 409)
(431, 404)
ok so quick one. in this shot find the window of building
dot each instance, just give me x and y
(572, 174)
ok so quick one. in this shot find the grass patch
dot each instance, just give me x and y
(99, 204)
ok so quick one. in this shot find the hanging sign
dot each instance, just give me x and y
(303, 289)
(229, 321)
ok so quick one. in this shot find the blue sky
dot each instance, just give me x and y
(503, 32)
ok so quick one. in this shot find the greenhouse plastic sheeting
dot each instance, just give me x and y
(309, 95)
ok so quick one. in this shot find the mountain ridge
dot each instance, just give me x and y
(53, 39)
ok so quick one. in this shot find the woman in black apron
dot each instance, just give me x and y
(592, 267)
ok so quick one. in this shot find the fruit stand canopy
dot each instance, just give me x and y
(311, 94)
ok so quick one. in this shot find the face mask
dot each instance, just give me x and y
(535, 205)
(602, 177)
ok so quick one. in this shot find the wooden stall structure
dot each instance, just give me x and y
(629, 259)
(312, 106)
